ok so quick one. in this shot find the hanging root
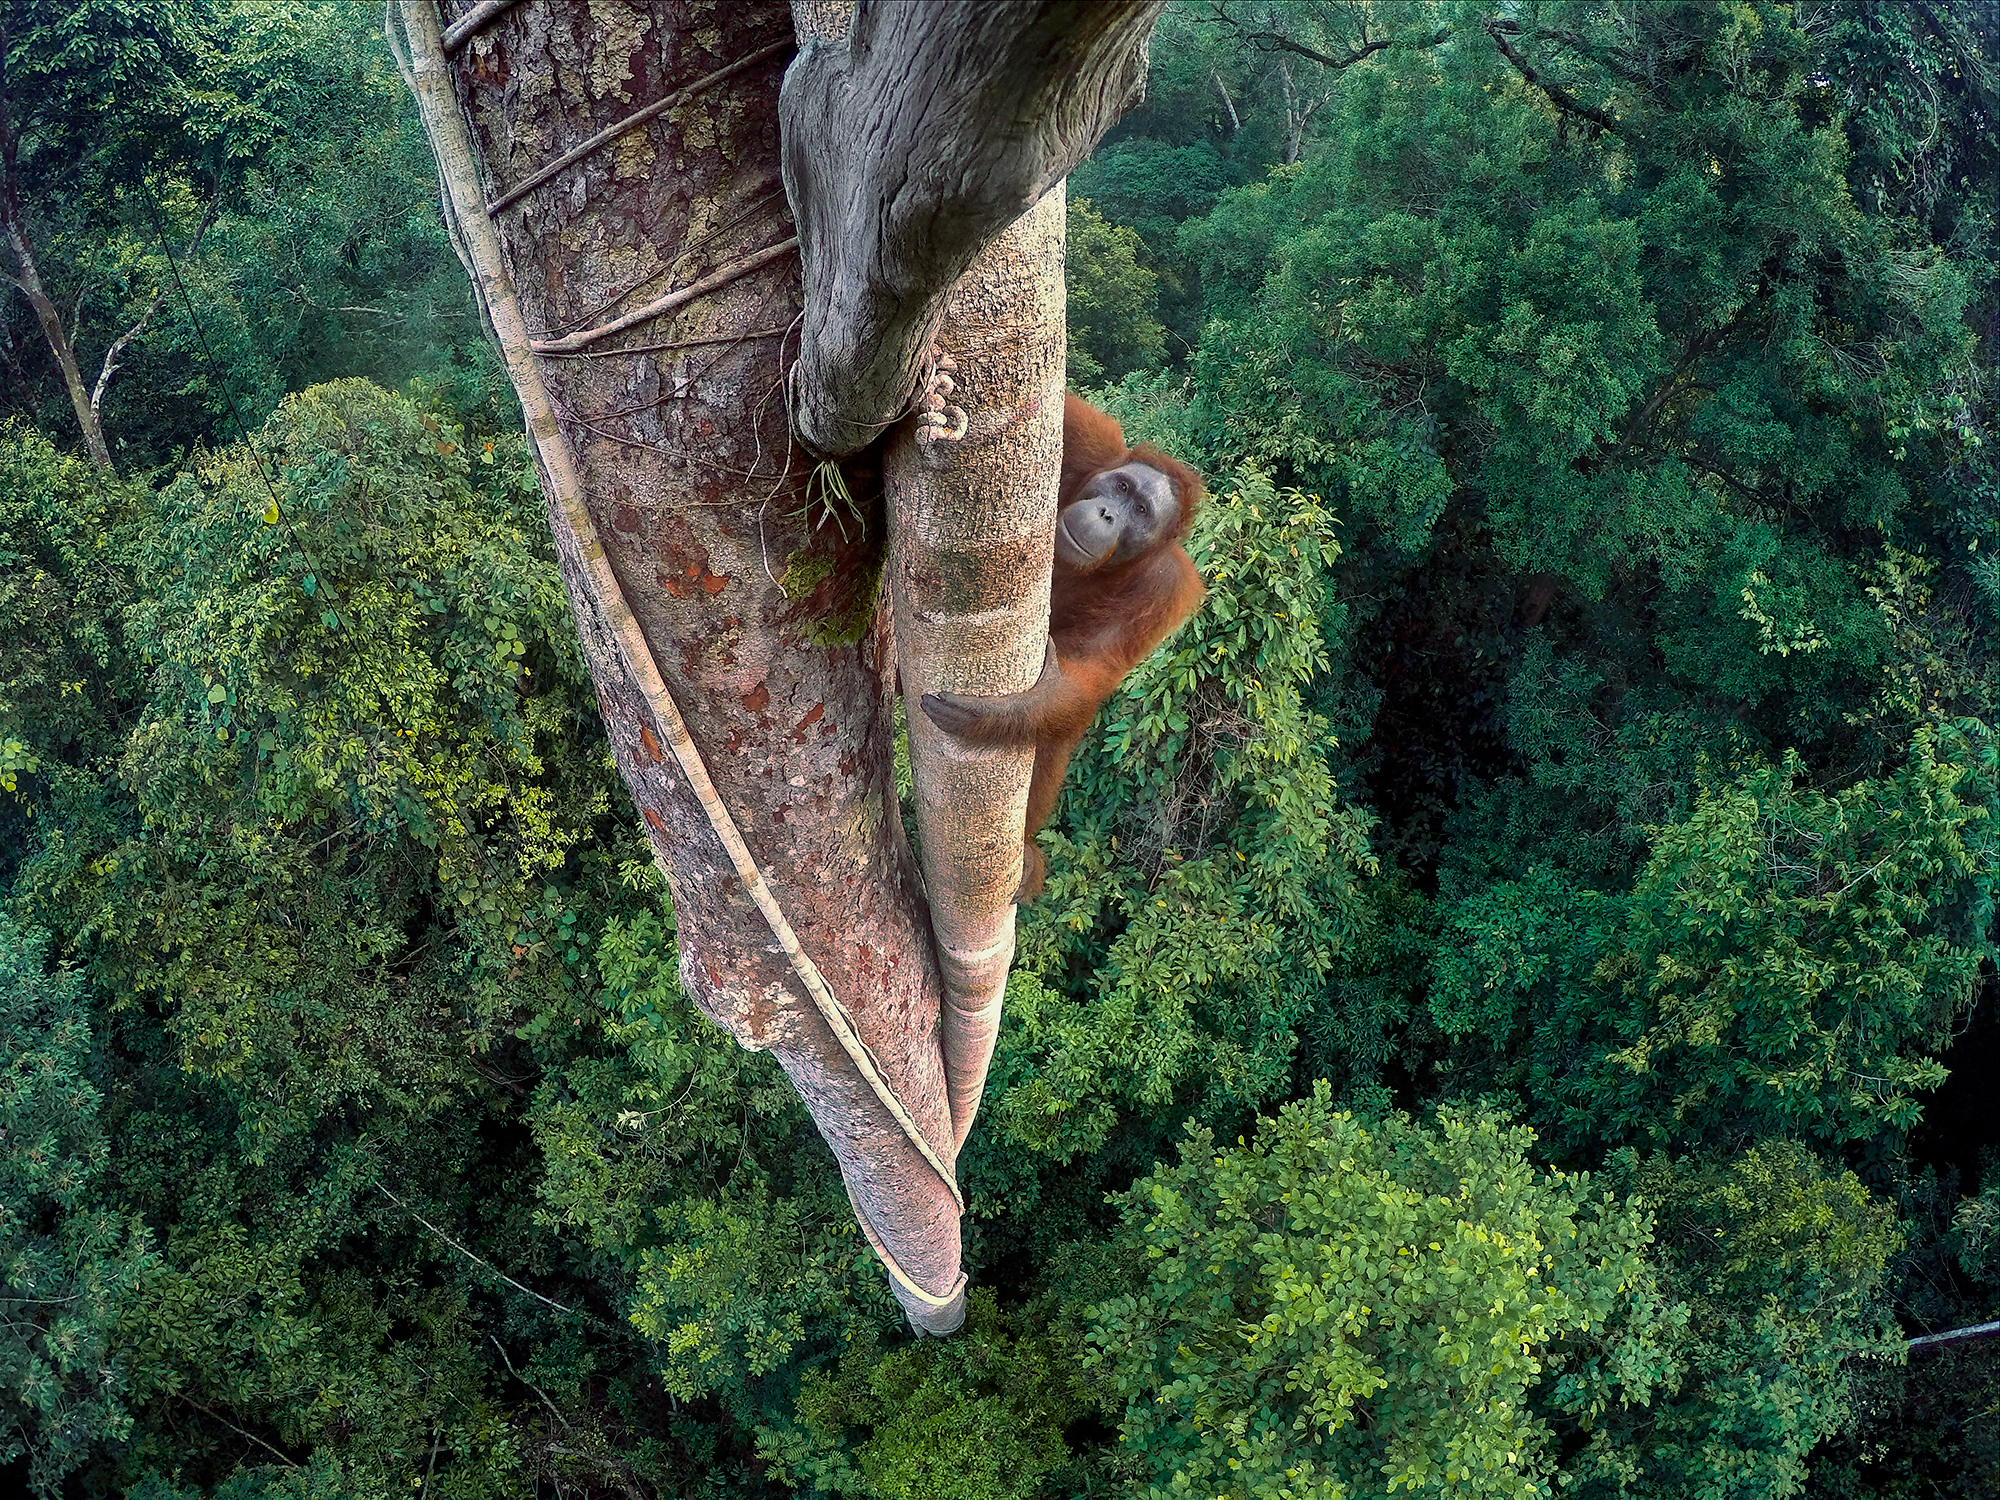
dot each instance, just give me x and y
(829, 499)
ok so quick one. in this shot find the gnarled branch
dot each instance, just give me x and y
(909, 143)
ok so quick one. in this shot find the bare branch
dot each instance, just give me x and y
(145, 319)
(1576, 42)
(1956, 1335)
(474, 21)
(1276, 41)
(1559, 96)
(1269, 39)
(909, 143)
(476, 1260)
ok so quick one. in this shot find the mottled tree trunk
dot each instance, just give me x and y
(972, 530)
(612, 170)
(764, 630)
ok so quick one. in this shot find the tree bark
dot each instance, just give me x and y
(761, 629)
(910, 142)
(969, 582)
(612, 180)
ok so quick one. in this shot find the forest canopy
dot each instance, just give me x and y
(1514, 1006)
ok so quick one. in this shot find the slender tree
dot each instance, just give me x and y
(734, 319)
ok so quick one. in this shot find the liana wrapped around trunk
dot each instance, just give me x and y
(666, 257)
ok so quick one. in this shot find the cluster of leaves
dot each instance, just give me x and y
(1787, 963)
(980, 1416)
(1112, 300)
(67, 1263)
(1334, 1309)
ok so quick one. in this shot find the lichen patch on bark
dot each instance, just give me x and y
(619, 30)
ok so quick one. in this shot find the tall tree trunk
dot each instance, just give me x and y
(28, 276)
(761, 628)
(969, 581)
(612, 179)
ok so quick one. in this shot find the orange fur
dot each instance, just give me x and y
(1102, 623)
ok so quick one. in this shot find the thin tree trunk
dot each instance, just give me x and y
(690, 563)
(1295, 116)
(969, 581)
(1228, 103)
(28, 277)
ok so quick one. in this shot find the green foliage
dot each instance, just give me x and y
(64, 579)
(68, 1262)
(338, 856)
(1779, 1262)
(1588, 718)
(977, 1417)
(1788, 962)
(1112, 298)
(1798, 935)
(348, 647)
(1336, 1309)
(1204, 878)
(282, 134)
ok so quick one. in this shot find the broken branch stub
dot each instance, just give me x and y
(909, 143)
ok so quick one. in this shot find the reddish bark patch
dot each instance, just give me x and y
(655, 822)
(652, 745)
(812, 717)
(683, 563)
(690, 580)
(756, 698)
